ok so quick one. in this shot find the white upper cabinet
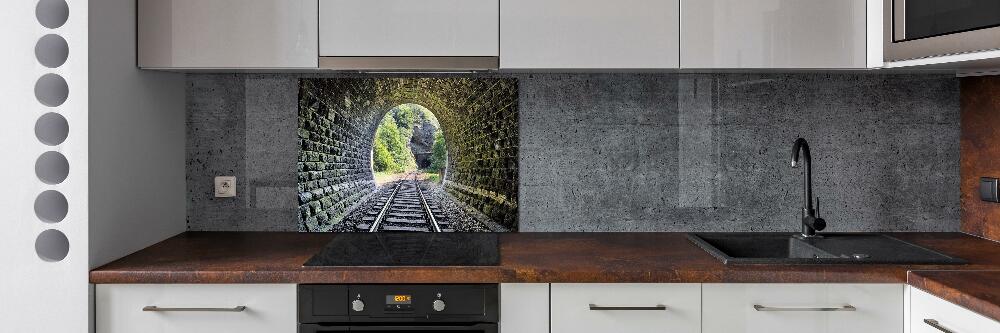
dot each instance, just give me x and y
(777, 33)
(408, 28)
(227, 33)
(509, 34)
(582, 34)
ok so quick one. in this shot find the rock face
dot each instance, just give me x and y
(422, 142)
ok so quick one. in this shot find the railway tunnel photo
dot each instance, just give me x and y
(408, 154)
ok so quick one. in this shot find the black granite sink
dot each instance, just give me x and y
(834, 248)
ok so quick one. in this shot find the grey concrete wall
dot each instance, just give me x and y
(242, 126)
(712, 152)
(641, 152)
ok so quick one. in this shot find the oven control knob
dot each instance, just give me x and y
(438, 305)
(358, 305)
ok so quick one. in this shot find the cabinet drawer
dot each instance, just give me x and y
(802, 308)
(946, 315)
(269, 308)
(622, 307)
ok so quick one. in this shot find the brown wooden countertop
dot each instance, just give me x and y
(269, 257)
(978, 291)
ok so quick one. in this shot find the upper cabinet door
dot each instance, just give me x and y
(589, 34)
(774, 34)
(409, 28)
(227, 33)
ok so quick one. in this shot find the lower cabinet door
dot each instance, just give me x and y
(930, 314)
(188, 308)
(802, 308)
(626, 308)
(524, 308)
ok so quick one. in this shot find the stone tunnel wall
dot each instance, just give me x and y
(334, 173)
(483, 153)
(337, 122)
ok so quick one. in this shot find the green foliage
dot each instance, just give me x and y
(391, 152)
(405, 115)
(434, 178)
(404, 118)
(381, 157)
(439, 155)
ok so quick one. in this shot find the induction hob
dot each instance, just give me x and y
(409, 249)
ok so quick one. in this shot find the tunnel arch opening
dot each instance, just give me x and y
(408, 141)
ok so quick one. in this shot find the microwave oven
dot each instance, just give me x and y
(915, 29)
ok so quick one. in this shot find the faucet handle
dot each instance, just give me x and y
(818, 224)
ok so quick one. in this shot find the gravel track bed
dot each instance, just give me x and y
(460, 219)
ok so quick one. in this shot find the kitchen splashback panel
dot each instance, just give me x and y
(636, 152)
(407, 154)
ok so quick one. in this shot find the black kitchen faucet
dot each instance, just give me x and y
(810, 221)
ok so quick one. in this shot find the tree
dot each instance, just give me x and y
(439, 153)
(405, 116)
(396, 156)
(381, 158)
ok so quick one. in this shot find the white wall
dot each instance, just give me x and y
(126, 135)
(38, 295)
(137, 186)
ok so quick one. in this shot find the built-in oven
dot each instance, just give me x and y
(385, 308)
(928, 28)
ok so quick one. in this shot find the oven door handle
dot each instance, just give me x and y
(315, 328)
(485, 328)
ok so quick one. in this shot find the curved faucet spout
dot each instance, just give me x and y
(810, 222)
(800, 145)
(807, 188)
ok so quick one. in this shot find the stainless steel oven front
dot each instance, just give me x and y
(915, 29)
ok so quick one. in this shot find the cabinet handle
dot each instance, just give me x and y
(759, 307)
(935, 324)
(154, 308)
(657, 307)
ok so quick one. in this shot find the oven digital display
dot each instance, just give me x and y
(398, 299)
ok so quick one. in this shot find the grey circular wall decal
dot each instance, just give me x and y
(52, 245)
(51, 51)
(52, 167)
(51, 90)
(51, 206)
(52, 129)
(52, 13)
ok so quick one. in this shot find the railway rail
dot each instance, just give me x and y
(404, 208)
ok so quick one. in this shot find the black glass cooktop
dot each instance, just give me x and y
(409, 249)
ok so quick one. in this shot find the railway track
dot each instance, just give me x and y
(404, 208)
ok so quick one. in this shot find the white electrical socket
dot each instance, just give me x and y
(225, 187)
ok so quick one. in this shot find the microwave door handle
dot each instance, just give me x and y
(898, 17)
(315, 328)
